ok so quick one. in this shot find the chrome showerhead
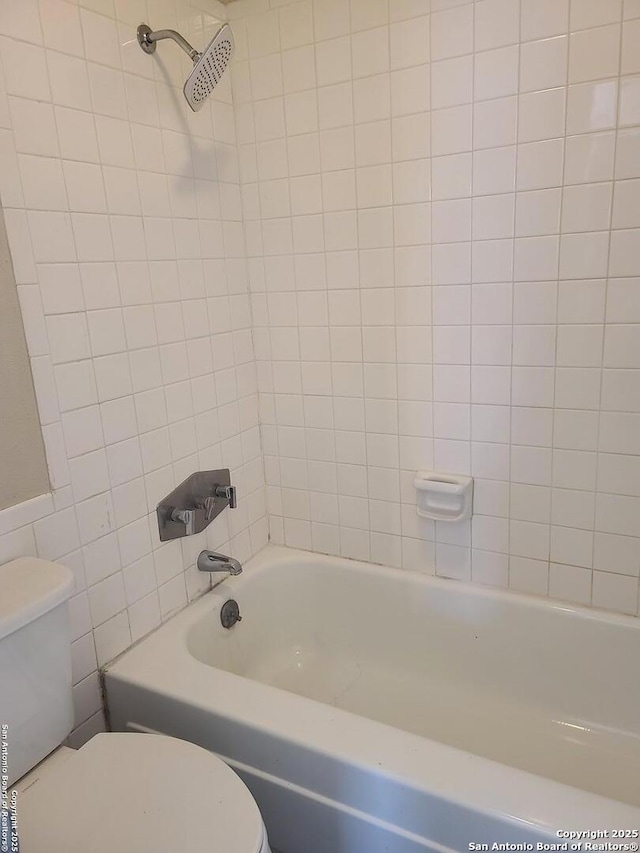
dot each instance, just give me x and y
(208, 66)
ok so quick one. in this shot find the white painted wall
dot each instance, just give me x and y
(22, 459)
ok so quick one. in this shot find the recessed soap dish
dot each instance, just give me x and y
(443, 497)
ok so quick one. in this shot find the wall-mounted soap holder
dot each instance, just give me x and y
(443, 497)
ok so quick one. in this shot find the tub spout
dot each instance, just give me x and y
(210, 561)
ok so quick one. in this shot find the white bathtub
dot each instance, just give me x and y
(371, 709)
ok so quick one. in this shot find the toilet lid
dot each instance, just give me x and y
(139, 793)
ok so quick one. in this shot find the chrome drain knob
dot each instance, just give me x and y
(230, 613)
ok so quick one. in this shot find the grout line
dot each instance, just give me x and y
(616, 132)
(325, 291)
(432, 284)
(470, 337)
(558, 268)
(513, 301)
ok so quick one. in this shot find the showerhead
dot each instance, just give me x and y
(208, 66)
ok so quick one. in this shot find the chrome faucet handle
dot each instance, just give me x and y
(187, 517)
(228, 492)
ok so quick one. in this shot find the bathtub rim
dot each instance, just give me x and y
(338, 733)
(271, 554)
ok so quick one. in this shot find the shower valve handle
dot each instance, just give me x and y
(228, 492)
(209, 506)
(186, 517)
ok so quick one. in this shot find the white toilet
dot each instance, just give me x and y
(135, 792)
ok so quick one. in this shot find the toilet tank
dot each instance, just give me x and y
(35, 661)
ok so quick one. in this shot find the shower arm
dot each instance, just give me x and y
(147, 39)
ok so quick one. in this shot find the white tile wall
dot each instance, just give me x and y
(442, 212)
(124, 218)
(440, 207)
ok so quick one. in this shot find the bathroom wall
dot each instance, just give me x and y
(22, 460)
(123, 214)
(442, 206)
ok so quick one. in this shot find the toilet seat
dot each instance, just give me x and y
(140, 793)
